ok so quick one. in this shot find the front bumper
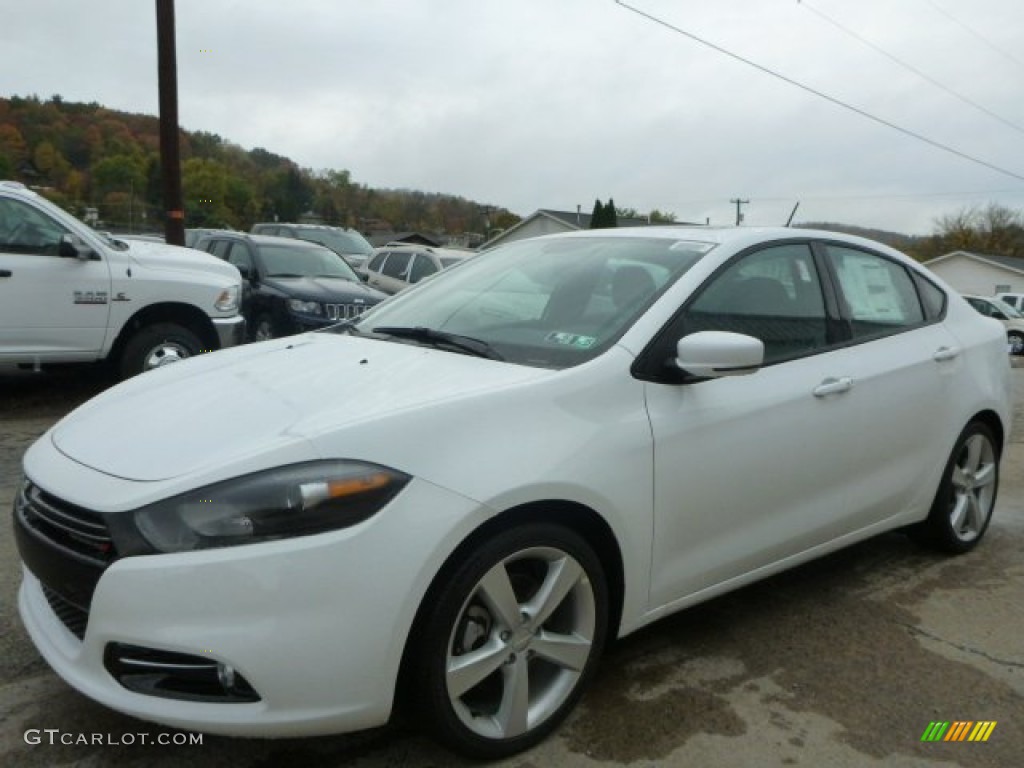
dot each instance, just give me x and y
(317, 625)
(230, 330)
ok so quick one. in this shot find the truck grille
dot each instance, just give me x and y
(344, 311)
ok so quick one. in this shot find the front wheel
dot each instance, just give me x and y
(962, 509)
(157, 345)
(511, 641)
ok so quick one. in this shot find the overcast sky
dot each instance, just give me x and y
(553, 103)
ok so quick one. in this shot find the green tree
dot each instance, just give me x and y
(117, 173)
(610, 215)
(597, 216)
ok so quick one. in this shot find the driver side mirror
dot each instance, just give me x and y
(71, 247)
(714, 354)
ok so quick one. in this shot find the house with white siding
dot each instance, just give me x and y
(982, 274)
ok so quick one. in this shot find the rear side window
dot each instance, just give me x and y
(932, 298)
(422, 267)
(397, 265)
(879, 294)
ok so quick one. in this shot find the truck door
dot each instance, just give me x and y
(51, 307)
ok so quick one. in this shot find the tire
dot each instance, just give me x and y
(1016, 342)
(489, 610)
(156, 345)
(263, 329)
(966, 497)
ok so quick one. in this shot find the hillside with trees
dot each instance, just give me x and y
(84, 156)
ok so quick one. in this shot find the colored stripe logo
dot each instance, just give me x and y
(959, 730)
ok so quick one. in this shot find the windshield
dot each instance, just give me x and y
(307, 261)
(1008, 310)
(339, 241)
(544, 302)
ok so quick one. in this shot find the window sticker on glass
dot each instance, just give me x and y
(574, 340)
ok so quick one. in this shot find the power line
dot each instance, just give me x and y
(976, 34)
(905, 65)
(819, 94)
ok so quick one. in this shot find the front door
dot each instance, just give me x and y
(753, 469)
(50, 306)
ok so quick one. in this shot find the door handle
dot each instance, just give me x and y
(942, 354)
(5, 273)
(833, 386)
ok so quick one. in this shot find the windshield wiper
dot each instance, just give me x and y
(466, 344)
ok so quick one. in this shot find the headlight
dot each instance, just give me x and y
(227, 301)
(297, 500)
(305, 307)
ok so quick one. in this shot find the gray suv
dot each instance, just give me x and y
(347, 243)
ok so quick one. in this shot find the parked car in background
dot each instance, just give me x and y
(290, 286)
(396, 266)
(1011, 319)
(459, 498)
(1015, 300)
(70, 294)
(347, 243)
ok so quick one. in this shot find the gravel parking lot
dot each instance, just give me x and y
(843, 662)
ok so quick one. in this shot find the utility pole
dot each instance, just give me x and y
(170, 152)
(739, 214)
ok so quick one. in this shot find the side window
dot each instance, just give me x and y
(23, 229)
(377, 262)
(773, 295)
(396, 265)
(932, 297)
(219, 248)
(421, 267)
(239, 256)
(879, 293)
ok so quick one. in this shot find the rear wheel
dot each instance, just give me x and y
(511, 641)
(157, 345)
(963, 505)
(1016, 341)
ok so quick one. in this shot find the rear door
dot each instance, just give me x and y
(50, 306)
(903, 380)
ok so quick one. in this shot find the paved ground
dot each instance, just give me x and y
(843, 662)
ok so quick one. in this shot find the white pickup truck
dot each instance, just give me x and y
(71, 294)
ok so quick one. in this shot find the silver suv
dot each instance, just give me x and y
(347, 243)
(399, 265)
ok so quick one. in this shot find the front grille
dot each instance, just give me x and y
(344, 311)
(66, 547)
(70, 615)
(70, 527)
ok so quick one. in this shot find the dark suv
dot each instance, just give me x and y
(290, 286)
(347, 243)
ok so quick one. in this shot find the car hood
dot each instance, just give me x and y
(326, 289)
(173, 257)
(265, 399)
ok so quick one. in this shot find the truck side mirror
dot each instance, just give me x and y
(70, 247)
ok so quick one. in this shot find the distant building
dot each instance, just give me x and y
(982, 274)
(548, 222)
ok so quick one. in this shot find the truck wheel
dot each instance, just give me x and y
(155, 345)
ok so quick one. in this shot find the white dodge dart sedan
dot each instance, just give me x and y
(455, 502)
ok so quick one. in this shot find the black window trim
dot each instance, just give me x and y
(654, 366)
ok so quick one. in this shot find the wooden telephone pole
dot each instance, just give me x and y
(170, 151)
